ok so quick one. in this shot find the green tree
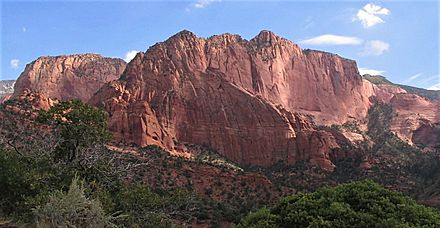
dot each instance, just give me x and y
(260, 219)
(359, 204)
(80, 126)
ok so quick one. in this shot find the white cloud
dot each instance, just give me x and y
(203, 3)
(363, 71)
(412, 78)
(370, 14)
(23, 29)
(374, 48)
(130, 55)
(199, 4)
(435, 87)
(329, 39)
(14, 63)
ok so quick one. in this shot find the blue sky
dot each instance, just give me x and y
(397, 39)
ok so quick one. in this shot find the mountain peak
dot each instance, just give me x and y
(184, 34)
(266, 36)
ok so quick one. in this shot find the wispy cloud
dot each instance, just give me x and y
(435, 87)
(14, 63)
(429, 80)
(329, 39)
(370, 15)
(374, 48)
(308, 23)
(431, 83)
(23, 29)
(129, 55)
(204, 3)
(200, 4)
(412, 78)
(363, 71)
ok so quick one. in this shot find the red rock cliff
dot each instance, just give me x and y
(237, 96)
(68, 76)
(318, 83)
(416, 119)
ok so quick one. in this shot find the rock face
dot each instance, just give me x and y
(417, 111)
(239, 97)
(256, 102)
(415, 117)
(69, 76)
(318, 83)
(28, 104)
(427, 135)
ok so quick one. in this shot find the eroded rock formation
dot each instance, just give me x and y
(256, 102)
(69, 76)
(237, 96)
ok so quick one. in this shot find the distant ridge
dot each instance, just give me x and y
(381, 80)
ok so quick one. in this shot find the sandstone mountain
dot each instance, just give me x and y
(243, 98)
(68, 76)
(257, 102)
(240, 97)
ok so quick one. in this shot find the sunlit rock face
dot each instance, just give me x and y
(256, 102)
(69, 76)
(240, 97)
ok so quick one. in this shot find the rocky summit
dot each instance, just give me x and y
(69, 76)
(256, 102)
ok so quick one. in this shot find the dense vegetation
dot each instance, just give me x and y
(60, 161)
(59, 173)
(358, 204)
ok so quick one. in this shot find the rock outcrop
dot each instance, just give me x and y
(415, 116)
(239, 97)
(417, 111)
(69, 76)
(427, 135)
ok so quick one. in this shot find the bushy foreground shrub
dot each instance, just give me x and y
(358, 204)
(71, 209)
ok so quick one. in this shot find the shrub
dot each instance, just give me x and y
(71, 209)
